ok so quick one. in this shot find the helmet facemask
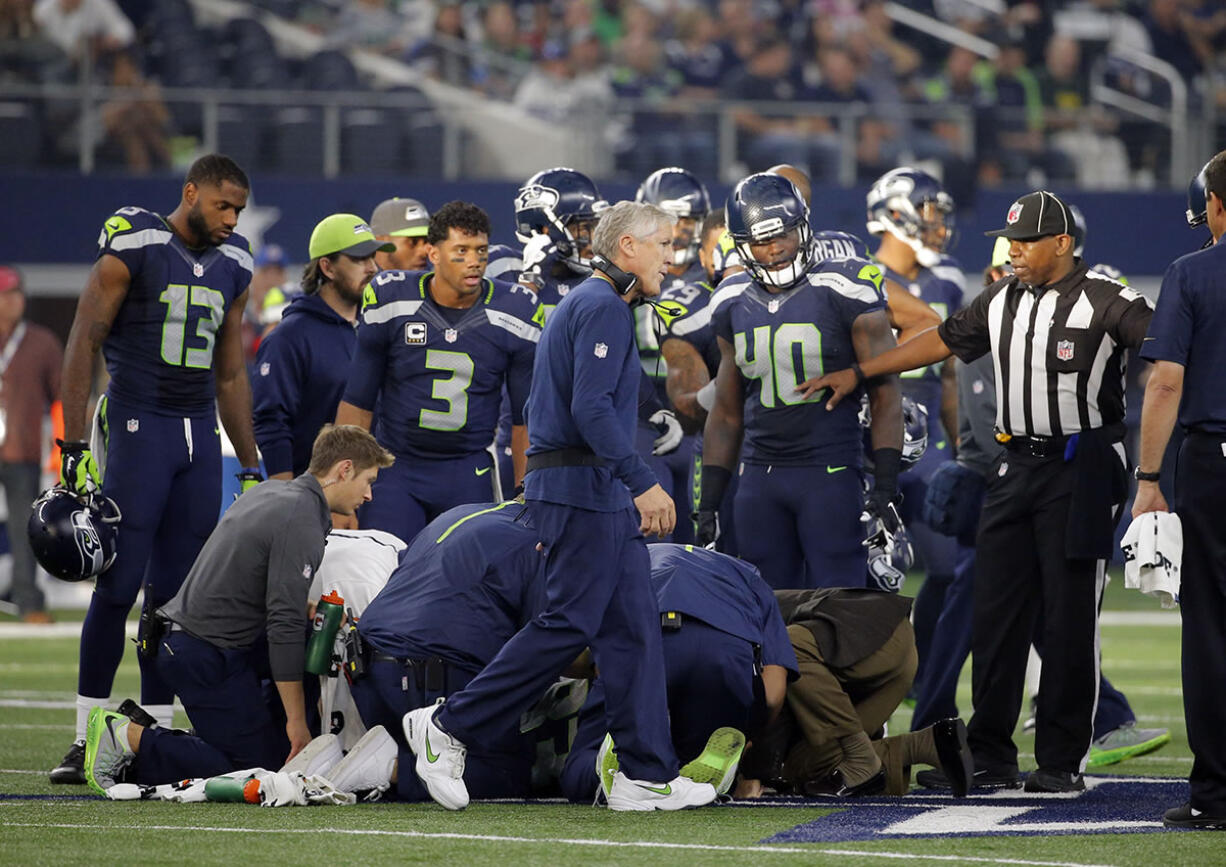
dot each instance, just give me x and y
(789, 270)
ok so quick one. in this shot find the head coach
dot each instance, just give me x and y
(584, 483)
(1058, 334)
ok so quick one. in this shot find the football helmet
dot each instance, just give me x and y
(681, 194)
(763, 207)
(914, 431)
(912, 206)
(74, 538)
(838, 245)
(1079, 230)
(1197, 213)
(563, 204)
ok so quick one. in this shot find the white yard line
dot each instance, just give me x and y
(613, 844)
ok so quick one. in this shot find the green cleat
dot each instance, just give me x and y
(1126, 742)
(718, 761)
(106, 748)
(606, 765)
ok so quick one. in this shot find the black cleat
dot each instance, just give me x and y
(1193, 819)
(957, 763)
(984, 778)
(137, 714)
(1055, 782)
(833, 785)
(72, 769)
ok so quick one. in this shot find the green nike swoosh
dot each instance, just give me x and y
(833, 470)
(431, 756)
(666, 789)
(482, 472)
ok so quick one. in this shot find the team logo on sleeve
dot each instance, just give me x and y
(601, 350)
(415, 333)
(1064, 350)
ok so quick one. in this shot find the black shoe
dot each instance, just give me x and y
(833, 785)
(957, 763)
(1054, 781)
(72, 769)
(1188, 816)
(137, 714)
(984, 778)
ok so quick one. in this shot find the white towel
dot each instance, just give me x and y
(1153, 555)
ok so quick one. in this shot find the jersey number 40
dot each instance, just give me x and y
(780, 361)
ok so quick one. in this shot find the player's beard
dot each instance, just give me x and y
(199, 228)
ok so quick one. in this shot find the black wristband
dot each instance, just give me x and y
(714, 482)
(855, 368)
(72, 445)
(887, 463)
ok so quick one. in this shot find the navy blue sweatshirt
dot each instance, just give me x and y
(300, 372)
(585, 389)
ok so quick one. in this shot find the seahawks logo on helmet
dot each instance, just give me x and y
(536, 196)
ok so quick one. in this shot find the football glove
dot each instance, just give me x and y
(78, 469)
(885, 538)
(536, 251)
(706, 528)
(248, 478)
(665, 421)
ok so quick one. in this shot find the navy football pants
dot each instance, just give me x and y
(598, 594)
(414, 491)
(164, 473)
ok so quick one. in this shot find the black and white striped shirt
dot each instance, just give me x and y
(1059, 350)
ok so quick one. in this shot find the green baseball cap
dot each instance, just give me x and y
(348, 234)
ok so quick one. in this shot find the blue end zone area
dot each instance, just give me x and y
(1110, 805)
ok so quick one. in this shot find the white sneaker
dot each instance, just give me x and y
(440, 757)
(318, 757)
(680, 793)
(369, 765)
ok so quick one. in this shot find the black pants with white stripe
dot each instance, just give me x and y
(1200, 502)
(1022, 571)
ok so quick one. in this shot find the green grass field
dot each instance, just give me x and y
(37, 684)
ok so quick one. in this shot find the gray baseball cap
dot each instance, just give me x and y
(400, 217)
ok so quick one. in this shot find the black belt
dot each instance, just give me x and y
(564, 458)
(1037, 446)
(431, 673)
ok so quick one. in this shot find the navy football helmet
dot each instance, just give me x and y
(74, 538)
(912, 206)
(831, 244)
(763, 207)
(914, 432)
(1198, 206)
(1079, 230)
(565, 205)
(681, 194)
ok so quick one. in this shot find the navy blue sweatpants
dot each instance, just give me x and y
(801, 525)
(236, 712)
(414, 491)
(710, 681)
(598, 594)
(164, 473)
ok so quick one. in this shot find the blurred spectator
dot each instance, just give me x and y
(500, 29)
(444, 54)
(270, 273)
(697, 54)
(136, 124)
(548, 91)
(1170, 29)
(380, 25)
(83, 28)
(26, 53)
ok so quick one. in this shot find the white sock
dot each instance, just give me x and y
(86, 703)
(163, 713)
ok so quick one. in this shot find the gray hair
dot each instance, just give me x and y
(637, 219)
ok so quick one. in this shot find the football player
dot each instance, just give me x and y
(434, 351)
(912, 215)
(799, 502)
(164, 302)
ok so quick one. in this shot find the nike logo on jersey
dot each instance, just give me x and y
(832, 470)
(482, 472)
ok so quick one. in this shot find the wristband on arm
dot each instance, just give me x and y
(887, 463)
(715, 481)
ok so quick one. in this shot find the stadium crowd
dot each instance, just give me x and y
(487, 438)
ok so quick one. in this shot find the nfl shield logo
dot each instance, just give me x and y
(198, 269)
(133, 425)
(601, 350)
(450, 335)
(773, 306)
(264, 368)
(1015, 213)
(1064, 350)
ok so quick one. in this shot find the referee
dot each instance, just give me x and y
(1058, 334)
(1185, 344)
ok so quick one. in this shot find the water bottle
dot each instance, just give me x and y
(233, 790)
(328, 614)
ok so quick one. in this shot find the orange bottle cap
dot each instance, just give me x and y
(332, 597)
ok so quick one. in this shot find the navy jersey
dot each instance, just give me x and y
(941, 288)
(504, 263)
(780, 340)
(468, 582)
(438, 372)
(687, 315)
(723, 592)
(585, 389)
(1187, 328)
(651, 325)
(159, 353)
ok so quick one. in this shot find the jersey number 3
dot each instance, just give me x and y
(452, 389)
(184, 305)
